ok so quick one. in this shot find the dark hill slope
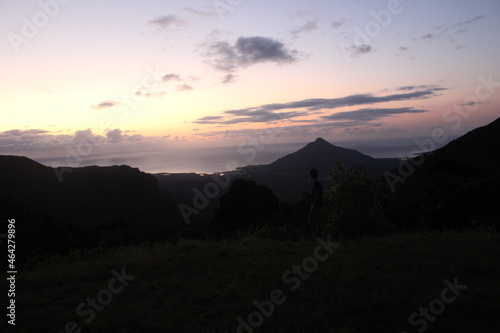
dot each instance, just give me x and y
(479, 148)
(89, 196)
(478, 151)
(289, 175)
(323, 155)
(456, 186)
(25, 179)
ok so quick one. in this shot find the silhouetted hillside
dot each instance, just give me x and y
(479, 148)
(25, 179)
(478, 151)
(96, 197)
(288, 176)
(454, 187)
(323, 156)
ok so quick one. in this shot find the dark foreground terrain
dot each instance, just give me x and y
(432, 282)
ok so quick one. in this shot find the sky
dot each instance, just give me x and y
(82, 77)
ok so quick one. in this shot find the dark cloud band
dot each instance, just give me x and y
(269, 112)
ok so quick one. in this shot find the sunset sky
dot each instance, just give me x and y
(137, 75)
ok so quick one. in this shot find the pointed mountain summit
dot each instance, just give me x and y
(288, 176)
(321, 155)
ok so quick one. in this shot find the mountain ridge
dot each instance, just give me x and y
(288, 176)
(477, 151)
(90, 196)
(322, 155)
(479, 147)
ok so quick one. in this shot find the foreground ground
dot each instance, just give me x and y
(364, 285)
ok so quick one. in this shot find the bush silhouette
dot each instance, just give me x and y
(354, 203)
(244, 204)
(457, 197)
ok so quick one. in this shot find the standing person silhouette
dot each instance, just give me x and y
(314, 219)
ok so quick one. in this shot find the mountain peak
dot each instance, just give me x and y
(319, 154)
(321, 140)
(319, 143)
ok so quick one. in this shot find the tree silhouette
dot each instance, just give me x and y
(354, 203)
(458, 197)
(245, 203)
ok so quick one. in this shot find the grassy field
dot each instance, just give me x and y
(365, 285)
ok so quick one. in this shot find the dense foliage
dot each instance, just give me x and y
(354, 203)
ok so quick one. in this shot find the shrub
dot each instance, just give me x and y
(244, 204)
(354, 203)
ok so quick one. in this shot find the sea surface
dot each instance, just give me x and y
(210, 160)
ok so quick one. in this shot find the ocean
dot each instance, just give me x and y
(193, 160)
(210, 160)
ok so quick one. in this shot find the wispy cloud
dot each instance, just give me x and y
(184, 87)
(273, 112)
(167, 22)
(170, 77)
(258, 116)
(449, 32)
(425, 87)
(148, 94)
(306, 27)
(429, 36)
(19, 133)
(466, 22)
(337, 24)
(357, 50)
(18, 141)
(26, 142)
(206, 12)
(105, 105)
(229, 78)
(209, 120)
(370, 114)
(472, 103)
(295, 130)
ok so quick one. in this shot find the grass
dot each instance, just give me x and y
(366, 285)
